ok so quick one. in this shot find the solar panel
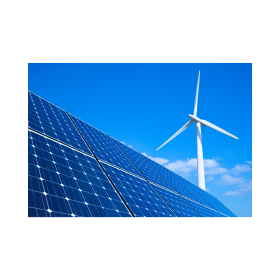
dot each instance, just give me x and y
(138, 194)
(103, 147)
(63, 182)
(66, 180)
(50, 120)
(143, 166)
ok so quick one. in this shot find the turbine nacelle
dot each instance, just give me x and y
(196, 119)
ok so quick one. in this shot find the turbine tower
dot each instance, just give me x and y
(199, 122)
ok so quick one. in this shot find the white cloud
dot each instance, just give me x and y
(209, 178)
(181, 166)
(208, 190)
(233, 193)
(240, 168)
(161, 161)
(245, 187)
(123, 142)
(184, 167)
(249, 162)
(230, 180)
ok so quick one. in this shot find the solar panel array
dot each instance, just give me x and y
(76, 170)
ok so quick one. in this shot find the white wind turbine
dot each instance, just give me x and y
(194, 118)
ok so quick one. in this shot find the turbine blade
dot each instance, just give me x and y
(216, 128)
(196, 95)
(177, 133)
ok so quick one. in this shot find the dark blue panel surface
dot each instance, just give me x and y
(54, 122)
(171, 180)
(143, 166)
(64, 182)
(138, 194)
(103, 147)
(177, 203)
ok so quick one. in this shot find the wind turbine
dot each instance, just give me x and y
(199, 122)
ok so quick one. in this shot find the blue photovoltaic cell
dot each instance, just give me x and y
(138, 194)
(63, 183)
(177, 203)
(143, 166)
(103, 147)
(54, 122)
(171, 180)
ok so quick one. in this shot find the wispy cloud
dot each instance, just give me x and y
(161, 161)
(230, 180)
(241, 168)
(185, 167)
(233, 193)
(249, 162)
(245, 187)
(209, 178)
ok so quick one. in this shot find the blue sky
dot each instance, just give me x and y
(144, 104)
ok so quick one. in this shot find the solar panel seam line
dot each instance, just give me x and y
(58, 141)
(104, 161)
(144, 177)
(130, 211)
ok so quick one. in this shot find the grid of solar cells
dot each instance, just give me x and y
(64, 182)
(170, 179)
(54, 122)
(143, 166)
(206, 197)
(103, 147)
(138, 194)
(177, 203)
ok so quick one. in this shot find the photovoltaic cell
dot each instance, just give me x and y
(63, 183)
(48, 119)
(177, 203)
(138, 194)
(103, 147)
(143, 166)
